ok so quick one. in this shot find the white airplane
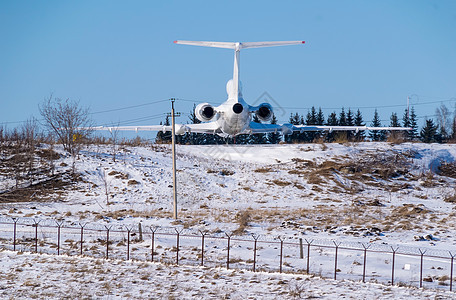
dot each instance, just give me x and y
(233, 117)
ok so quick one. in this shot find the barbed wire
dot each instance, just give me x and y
(192, 233)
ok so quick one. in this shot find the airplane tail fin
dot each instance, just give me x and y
(236, 93)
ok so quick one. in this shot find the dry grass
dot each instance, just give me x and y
(281, 183)
(263, 170)
(248, 189)
(122, 213)
(448, 169)
(450, 198)
(223, 172)
(242, 218)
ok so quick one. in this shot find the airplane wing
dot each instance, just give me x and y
(343, 128)
(290, 128)
(265, 128)
(210, 128)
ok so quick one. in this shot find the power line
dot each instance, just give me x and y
(98, 112)
(129, 107)
(453, 99)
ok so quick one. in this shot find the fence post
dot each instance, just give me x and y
(451, 272)
(14, 233)
(421, 267)
(36, 234)
(281, 253)
(335, 259)
(58, 236)
(128, 242)
(177, 245)
(152, 244)
(82, 235)
(308, 255)
(254, 251)
(202, 247)
(392, 267)
(107, 241)
(140, 232)
(228, 254)
(364, 265)
(301, 250)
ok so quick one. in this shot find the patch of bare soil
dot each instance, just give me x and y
(369, 168)
(38, 192)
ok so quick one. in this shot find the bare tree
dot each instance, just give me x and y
(30, 133)
(2, 134)
(106, 182)
(114, 131)
(52, 155)
(444, 121)
(453, 126)
(68, 121)
(17, 161)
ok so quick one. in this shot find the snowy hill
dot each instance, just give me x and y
(374, 193)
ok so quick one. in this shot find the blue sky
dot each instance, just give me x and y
(116, 54)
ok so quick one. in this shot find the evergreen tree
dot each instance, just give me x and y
(294, 137)
(311, 119)
(350, 118)
(320, 117)
(332, 121)
(376, 135)
(193, 138)
(413, 134)
(406, 123)
(257, 138)
(394, 122)
(342, 118)
(428, 133)
(274, 138)
(320, 121)
(406, 119)
(358, 121)
(164, 137)
(342, 135)
(350, 122)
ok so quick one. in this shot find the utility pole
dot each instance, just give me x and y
(408, 105)
(174, 158)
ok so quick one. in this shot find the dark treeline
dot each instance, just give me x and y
(441, 131)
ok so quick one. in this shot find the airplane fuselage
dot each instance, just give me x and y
(234, 117)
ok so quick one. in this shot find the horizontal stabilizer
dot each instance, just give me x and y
(208, 44)
(230, 45)
(269, 44)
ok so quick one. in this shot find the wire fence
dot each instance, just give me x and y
(395, 265)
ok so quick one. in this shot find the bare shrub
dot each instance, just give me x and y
(242, 218)
(225, 172)
(448, 169)
(451, 198)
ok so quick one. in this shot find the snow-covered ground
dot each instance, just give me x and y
(32, 276)
(378, 194)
